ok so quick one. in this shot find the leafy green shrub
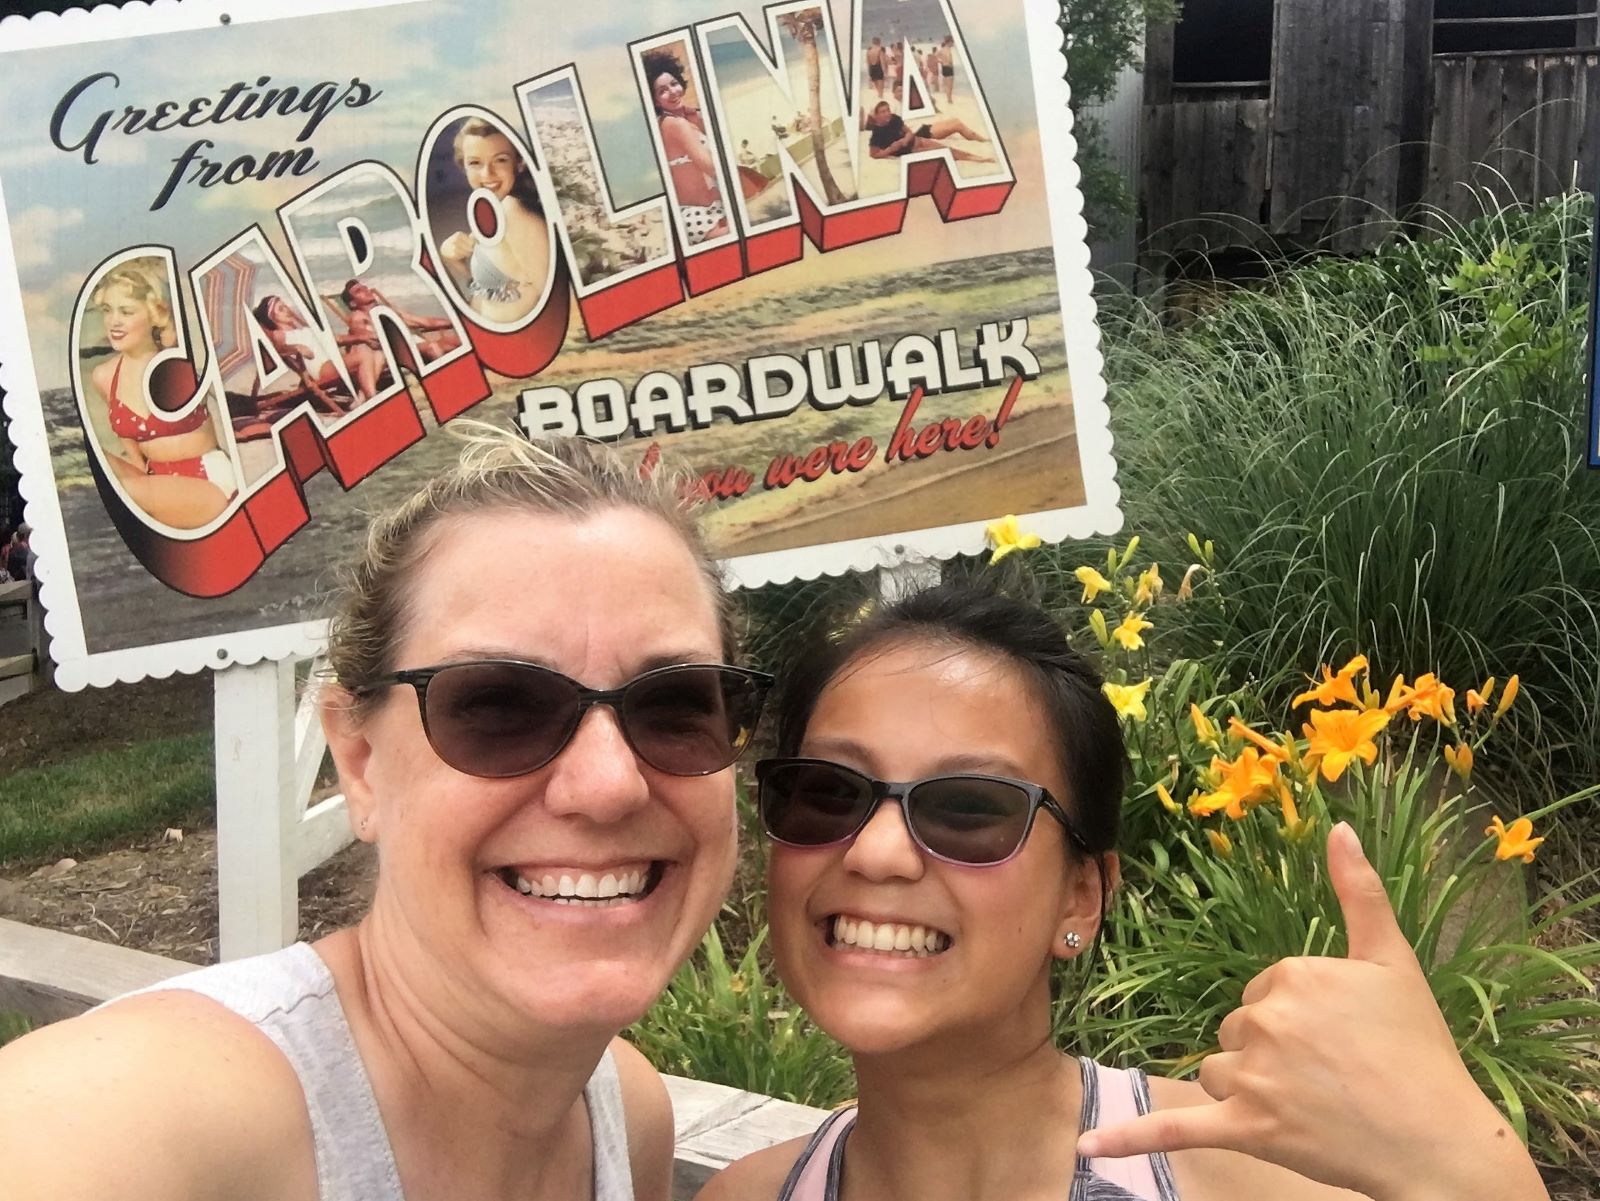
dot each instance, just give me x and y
(1391, 451)
(732, 1025)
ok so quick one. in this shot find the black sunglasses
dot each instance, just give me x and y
(502, 717)
(970, 819)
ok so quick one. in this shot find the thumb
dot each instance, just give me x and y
(1369, 919)
(1205, 1125)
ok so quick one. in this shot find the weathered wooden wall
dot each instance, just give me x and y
(1338, 107)
(1363, 123)
(1514, 126)
(1204, 160)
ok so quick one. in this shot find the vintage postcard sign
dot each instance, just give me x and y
(254, 256)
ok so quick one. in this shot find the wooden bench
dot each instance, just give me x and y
(49, 976)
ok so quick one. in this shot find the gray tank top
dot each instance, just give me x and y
(289, 996)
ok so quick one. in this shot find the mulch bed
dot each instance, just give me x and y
(161, 896)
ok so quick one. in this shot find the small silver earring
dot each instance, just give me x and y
(1072, 939)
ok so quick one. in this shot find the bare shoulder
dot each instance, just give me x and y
(649, 1121)
(1205, 1174)
(756, 1177)
(101, 376)
(162, 1096)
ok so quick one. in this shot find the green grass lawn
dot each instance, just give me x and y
(102, 798)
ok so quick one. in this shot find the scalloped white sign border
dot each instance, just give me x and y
(76, 668)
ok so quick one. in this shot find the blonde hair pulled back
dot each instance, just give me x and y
(498, 471)
(146, 282)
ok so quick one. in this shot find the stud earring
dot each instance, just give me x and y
(1072, 939)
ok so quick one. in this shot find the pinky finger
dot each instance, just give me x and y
(1218, 1072)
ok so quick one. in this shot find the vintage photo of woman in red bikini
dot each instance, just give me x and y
(173, 470)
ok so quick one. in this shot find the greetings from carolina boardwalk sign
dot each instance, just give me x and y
(827, 255)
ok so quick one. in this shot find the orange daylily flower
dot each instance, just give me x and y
(1428, 696)
(1335, 687)
(1515, 842)
(1295, 827)
(1460, 759)
(1241, 785)
(1513, 686)
(1478, 698)
(1338, 736)
(1266, 745)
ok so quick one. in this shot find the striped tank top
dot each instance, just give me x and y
(1109, 1095)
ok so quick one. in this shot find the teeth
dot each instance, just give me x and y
(888, 936)
(585, 887)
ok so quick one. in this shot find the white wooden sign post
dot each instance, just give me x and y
(269, 751)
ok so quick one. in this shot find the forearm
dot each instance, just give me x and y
(1479, 1159)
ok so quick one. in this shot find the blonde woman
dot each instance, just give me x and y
(174, 471)
(535, 720)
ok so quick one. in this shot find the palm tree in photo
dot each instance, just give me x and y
(803, 27)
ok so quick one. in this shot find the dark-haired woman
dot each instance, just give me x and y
(302, 349)
(506, 279)
(943, 814)
(688, 149)
(534, 720)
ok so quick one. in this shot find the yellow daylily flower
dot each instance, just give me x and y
(1335, 687)
(1460, 759)
(1513, 686)
(1165, 797)
(1428, 696)
(1128, 633)
(1007, 535)
(1241, 784)
(1204, 729)
(1220, 843)
(1097, 623)
(1337, 736)
(1514, 839)
(1149, 586)
(1478, 698)
(1266, 745)
(1128, 699)
(1093, 583)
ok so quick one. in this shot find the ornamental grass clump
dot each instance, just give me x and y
(1392, 450)
(1224, 865)
(734, 1024)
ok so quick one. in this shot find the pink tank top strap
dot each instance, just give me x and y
(815, 1175)
(1112, 1095)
